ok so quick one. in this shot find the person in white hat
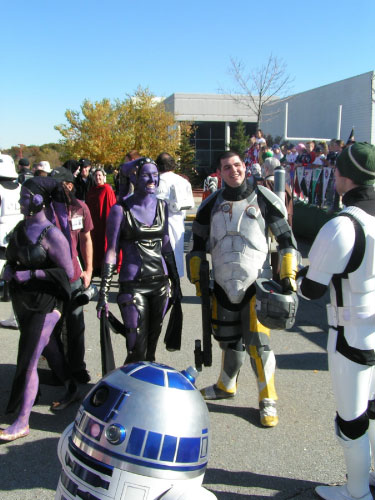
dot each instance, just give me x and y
(43, 168)
(10, 215)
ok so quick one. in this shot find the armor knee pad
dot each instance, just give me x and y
(353, 429)
(234, 346)
(226, 324)
(259, 351)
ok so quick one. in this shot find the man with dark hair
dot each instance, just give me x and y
(343, 258)
(177, 192)
(80, 225)
(83, 180)
(24, 170)
(233, 223)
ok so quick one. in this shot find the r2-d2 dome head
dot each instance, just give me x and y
(141, 433)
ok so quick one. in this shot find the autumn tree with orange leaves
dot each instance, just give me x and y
(105, 131)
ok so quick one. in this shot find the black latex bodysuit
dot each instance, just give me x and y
(150, 288)
(31, 302)
(35, 295)
(148, 240)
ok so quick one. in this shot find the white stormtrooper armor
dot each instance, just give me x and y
(351, 340)
(356, 313)
(9, 211)
(9, 197)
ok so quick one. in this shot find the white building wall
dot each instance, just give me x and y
(315, 113)
(207, 107)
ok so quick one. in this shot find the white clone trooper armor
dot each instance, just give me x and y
(343, 256)
(236, 235)
(238, 245)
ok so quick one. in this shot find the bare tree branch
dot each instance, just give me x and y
(266, 84)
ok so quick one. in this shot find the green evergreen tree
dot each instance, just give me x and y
(186, 156)
(240, 141)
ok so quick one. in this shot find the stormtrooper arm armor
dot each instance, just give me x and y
(307, 288)
(329, 255)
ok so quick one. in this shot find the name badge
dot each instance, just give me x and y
(77, 223)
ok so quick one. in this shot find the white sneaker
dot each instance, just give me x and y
(339, 493)
(9, 323)
(268, 413)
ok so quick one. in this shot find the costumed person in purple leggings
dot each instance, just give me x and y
(38, 269)
(138, 226)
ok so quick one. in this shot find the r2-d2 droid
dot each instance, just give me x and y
(142, 433)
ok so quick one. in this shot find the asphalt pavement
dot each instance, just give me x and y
(247, 460)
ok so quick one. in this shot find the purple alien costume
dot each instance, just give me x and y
(38, 269)
(138, 225)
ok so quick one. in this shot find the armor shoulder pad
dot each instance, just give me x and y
(273, 199)
(201, 225)
(208, 200)
(205, 208)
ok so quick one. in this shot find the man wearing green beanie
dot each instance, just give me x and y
(357, 162)
(343, 258)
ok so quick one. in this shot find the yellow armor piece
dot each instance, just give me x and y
(195, 265)
(289, 267)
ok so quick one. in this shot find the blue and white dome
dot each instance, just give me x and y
(145, 418)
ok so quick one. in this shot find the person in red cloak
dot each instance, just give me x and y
(100, 199)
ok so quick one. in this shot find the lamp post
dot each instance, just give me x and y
(21, 146)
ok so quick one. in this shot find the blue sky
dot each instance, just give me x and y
(56, 54)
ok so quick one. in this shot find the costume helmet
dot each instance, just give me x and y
(7, 167)
(275, 310)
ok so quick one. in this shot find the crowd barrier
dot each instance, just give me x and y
(313, 185)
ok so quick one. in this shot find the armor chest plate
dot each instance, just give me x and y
(362, 280)
(238, 244)
(358, 290)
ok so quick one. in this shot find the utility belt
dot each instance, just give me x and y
(338, 317)
(343, 316)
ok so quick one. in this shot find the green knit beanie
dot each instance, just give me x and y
(357, 162)
(267, 154)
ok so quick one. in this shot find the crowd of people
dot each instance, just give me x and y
(48, 280)
(75, 225)
(309, 166)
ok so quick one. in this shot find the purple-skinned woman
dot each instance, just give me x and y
(138, 225)
(38, 269)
